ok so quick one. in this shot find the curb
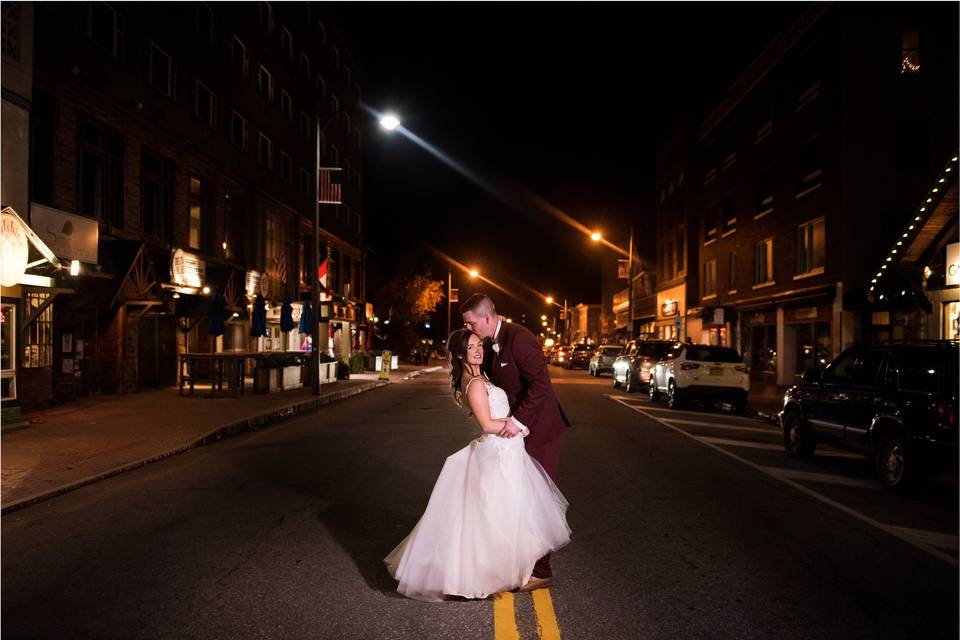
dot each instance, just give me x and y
(421, 372)
(219, 433)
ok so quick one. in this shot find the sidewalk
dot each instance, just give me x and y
(79, 443)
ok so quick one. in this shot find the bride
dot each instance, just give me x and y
(493, 511)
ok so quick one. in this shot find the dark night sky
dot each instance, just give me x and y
(567, 100)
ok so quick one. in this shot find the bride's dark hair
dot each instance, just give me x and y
(457, 352)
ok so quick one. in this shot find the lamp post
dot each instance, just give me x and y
(596, 237)
(388, 122)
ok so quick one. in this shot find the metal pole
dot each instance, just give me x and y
(315, 279)
(449, 291)
(630, 288)
(566, 322)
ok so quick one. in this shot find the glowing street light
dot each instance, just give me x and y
(543, 317)
(549, 299)
(474, 273)
(595, 236)
(389, 122)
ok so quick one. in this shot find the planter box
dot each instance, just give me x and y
(328, 372)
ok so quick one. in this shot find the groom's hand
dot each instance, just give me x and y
(509, 430)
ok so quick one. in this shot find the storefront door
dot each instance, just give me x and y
(157, 352)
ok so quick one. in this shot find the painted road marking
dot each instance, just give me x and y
(825, 478)
(504, 617)
(720, 425)
(770, 447)
(936, 539)
(896, 532)
(547, 626)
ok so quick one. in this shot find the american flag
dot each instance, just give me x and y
(331, 182)
(280, 267)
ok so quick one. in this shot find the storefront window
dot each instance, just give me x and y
(813, 346)
(762, 342)
(38, 350)
(7, 336)
(951, 314)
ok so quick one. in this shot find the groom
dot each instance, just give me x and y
(515, 362)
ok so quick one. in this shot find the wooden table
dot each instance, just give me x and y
(225, 367)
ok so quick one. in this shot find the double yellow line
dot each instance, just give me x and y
(505, 616)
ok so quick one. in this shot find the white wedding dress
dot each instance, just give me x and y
(493, 513)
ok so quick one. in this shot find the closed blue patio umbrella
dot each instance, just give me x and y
(306, 318)
(218, 314)
(286, 315)
(258, 322)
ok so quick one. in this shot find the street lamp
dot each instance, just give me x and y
(595, 236)
(389, 122)
(474, 273)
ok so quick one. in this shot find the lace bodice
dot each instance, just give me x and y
(497, 397)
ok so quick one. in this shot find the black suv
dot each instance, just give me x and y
(897, 401)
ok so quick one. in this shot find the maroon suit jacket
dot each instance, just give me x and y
(520, 369)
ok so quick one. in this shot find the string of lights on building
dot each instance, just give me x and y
(926, 208)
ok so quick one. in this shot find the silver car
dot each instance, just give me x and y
(603, 357)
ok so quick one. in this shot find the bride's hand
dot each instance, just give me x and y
(509, 429)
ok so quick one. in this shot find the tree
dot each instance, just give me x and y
(410, 300)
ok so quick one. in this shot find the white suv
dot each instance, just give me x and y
(701, 372)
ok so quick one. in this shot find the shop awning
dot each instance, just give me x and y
(26, 259)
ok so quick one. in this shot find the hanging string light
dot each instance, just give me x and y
(906, 234)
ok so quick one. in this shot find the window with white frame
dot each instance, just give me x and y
(304, 126)
(763, 262)
(238, 130)
(238, 57)
(335, 155)
(204, 104)
(286, 167)
(305, 66)
(286, 43)
(334, 105)
(710, 278)
(38, 335)
(336, 57)
(811, 242)
(809, 167)
(732, 270)
(105, 27)
(161, 70)
(203, 22)
(347, 76)
(321, 87)
(265, 11)
(265, 83)
(286, 106)
(764, 195)
(264, 150)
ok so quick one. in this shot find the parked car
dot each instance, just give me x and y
(603, 358)
(632, 368)
(897, 402)
(579, 356)
(559, 355)
(701, 372)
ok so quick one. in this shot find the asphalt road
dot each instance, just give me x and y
(677, 533)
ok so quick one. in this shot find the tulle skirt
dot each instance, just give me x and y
(492, 514)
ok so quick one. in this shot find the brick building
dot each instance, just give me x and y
(805, 179)
(173, 150)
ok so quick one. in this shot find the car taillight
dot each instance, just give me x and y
(689, 365)
(946, 415)
(646, 359)
(742, 369)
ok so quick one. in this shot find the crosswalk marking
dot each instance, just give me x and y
(905, 535)
(504, 617)
(823, 478)
(547, 626)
